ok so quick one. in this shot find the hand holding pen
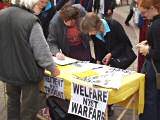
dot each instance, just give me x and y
(60, 55)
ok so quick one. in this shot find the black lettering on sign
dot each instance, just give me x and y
(82, 90)
(80, 110)
(86, 94)
(56, 81)
(74, 107)
(94, 114)
(47, 90)
(99, 115)
(99, 95)
(90, 92)
(53, 87)
(103, 116)
(85, 101)
(58, 93)
(94, 95)
(105, 96)
(85, 111)
(90, 112)
(90, 102)
(75, 88)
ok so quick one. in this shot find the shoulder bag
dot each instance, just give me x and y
(125, 59)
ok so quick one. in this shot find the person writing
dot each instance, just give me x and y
(109, 38)
(106, 35)
(65, 38)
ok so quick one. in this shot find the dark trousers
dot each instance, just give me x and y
(58, 109)
(129, 16)
(22, 102)
(152, 95)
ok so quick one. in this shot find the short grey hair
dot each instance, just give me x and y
(27, 3)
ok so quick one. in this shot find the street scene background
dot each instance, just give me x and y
(132, 31)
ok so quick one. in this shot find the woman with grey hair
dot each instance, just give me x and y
(26, 56)
(28, 3)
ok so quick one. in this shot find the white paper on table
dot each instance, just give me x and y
(66, 61)
(112, 78)
(109, 81)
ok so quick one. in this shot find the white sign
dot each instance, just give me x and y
(54, 86)
(88, 102)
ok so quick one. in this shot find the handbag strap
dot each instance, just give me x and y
(154, 67)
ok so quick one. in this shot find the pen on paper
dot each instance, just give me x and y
(97, 67)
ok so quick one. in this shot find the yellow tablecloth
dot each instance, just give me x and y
(132, 84)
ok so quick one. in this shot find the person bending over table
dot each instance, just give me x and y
(109, 39)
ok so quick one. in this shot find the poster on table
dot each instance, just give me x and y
(88, 102)
(112, 78)
(108, 77)
(54, 86)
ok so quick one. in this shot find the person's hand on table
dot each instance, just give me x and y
(106, 59)
(60, 56)
(55, 72)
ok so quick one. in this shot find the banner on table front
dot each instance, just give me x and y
(88, 102)
(54, 86)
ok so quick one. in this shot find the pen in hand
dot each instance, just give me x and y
(60, 55)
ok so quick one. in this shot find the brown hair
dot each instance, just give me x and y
(90, 22)
(69, 12)
(148, 3)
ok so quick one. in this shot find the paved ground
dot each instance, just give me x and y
(2, 102)
(132, 31)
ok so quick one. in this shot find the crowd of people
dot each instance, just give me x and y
(32, 31)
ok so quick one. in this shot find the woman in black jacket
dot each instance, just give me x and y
(109, 37)
(150, 48)
(110, 41)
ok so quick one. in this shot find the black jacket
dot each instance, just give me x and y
(115, 41)
(154, 42)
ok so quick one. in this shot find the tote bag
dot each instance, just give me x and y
(124, 60)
